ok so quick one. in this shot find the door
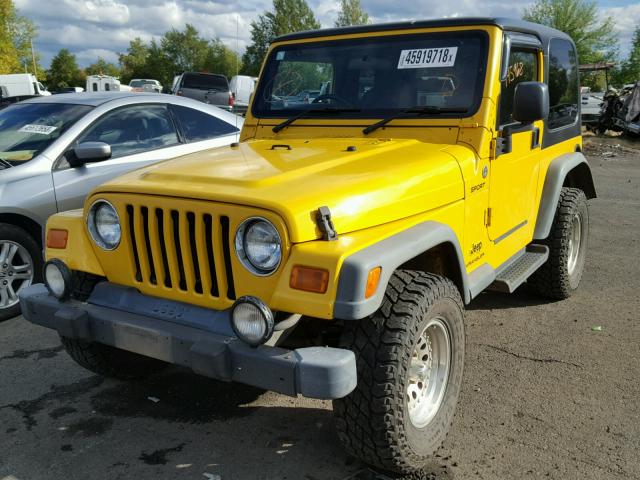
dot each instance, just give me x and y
(514, 171)
(138, 135)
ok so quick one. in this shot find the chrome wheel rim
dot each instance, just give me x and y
(16, 272)
(428, 372)
(574, 243)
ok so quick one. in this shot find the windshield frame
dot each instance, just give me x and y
(269, 69)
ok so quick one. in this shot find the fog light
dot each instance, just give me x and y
(252, 320)
(57, 278)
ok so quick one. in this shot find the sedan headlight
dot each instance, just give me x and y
(258, 246)
(104, 225)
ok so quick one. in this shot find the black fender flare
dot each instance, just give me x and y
(390, 253)
(570, 169)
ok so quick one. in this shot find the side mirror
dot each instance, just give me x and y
(89, 152)
(530, 102)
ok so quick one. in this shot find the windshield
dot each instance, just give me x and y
(377, 76)
(203, 81)
(29, 128)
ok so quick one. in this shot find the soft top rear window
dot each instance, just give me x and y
(204, 81)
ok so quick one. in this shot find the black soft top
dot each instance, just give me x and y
(509, 24)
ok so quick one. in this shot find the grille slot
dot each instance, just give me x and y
(181, 250)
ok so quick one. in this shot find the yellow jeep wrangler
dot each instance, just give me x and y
(387, 175)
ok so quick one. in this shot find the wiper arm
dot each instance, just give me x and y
(304, 113)
(420, 110)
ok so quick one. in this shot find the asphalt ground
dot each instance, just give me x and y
(547, 394)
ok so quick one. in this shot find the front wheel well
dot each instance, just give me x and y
(439, 260)
(29, 225)
(580, 177)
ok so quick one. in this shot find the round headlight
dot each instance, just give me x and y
(258, 246)
(57, 278)
(252, 321)
(104, 225)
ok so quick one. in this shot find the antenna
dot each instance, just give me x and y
(237, 61)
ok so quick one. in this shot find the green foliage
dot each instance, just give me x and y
(629, 70)
(64, 71)
(287, 16)
(594, 37)
(351, 13)
(102, 67)
(16, 35)
(133, 64)
(178, 51)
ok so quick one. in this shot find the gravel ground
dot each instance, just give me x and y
(545, 396)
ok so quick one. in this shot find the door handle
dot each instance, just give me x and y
(535, 138)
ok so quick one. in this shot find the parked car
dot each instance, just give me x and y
(591, 104)
(70, 90)
(145, 85)
(242, 87)
(23, 85)
(105, 83)
(205, 87)
(54, 150)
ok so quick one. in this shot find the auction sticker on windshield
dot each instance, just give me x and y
(41, 129)
(428, 57)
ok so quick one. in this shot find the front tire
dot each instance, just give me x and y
(410, 351)
(20, 266)
(560, 276)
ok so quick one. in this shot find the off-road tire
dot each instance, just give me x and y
(18, 235)
(553, 279)
(109, 361)
(373, 421)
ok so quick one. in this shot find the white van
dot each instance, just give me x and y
(23, 84)
(104, 83)
(242, 87)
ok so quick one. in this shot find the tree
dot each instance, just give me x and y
(134, 63)
(102, 67)
(221, 59)
(185, 50)
(594, 37)
(351, 13)
(629, 71)
(64, 71)
(288, 16)
(16, 35)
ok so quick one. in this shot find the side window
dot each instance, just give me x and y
(94, 87)
(564, 94)
(523, 67)
(197, 125)
(133, 129)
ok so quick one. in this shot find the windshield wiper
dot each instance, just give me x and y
(420, 110)
(304, 113)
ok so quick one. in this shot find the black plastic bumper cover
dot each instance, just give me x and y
(164, 333)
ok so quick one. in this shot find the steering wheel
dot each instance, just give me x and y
(332, 96)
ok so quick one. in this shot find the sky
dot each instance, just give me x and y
(103, 28)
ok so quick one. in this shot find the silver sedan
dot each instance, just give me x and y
(54, 150)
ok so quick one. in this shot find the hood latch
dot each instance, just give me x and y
(325, 224)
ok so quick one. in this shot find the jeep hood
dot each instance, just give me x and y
(364, 182)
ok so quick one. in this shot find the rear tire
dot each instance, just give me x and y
(109, 361)
(20, 266)
(418, 329)
(560, 276)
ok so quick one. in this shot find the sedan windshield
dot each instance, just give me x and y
(376, 76)
(29, 128)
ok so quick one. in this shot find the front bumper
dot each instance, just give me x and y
(191, 336)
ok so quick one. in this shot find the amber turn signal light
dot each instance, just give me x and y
(57, 238)
(309, 279)
(372, 282)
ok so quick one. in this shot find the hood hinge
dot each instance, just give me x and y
(325, 224)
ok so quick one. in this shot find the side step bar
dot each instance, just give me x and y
(516, 271)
